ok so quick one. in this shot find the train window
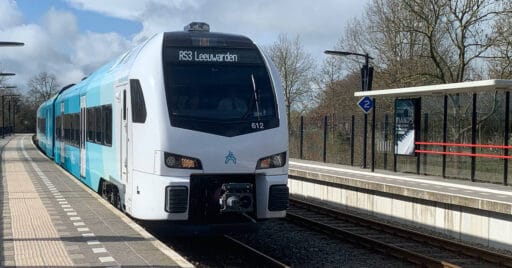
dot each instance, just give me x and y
(99, 134)
(138, 103)
(124, 104)
(42, 125)
(91, 125)
(67, 124)
(63, 127)
(57, 127)
(76, 123)
(71, 129)
(107, 120)
(228, 97)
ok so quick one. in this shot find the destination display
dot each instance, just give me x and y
(212, 55)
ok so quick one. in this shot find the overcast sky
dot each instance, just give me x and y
(72, 38)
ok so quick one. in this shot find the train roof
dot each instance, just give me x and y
(187, 38)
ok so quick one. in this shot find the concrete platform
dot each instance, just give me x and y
(475, 212)
(50, 219)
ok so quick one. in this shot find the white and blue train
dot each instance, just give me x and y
(188, 126)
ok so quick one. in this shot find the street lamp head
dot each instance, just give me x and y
(11, 44)
(337, 53)
(7, 74)
(345, 53)
(8, 87)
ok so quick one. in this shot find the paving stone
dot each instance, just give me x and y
(49, 229)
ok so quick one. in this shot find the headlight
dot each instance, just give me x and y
(273, 161)
(180, 161)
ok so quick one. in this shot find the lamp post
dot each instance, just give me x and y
(7, 44)
(366, 85)
(3, 108)
(14, 115)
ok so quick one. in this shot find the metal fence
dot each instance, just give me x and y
(339, 139)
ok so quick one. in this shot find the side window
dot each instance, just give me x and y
(43, 126)
(137, 101)
(91, 126)
(99, 134)
(57, 128)
(124, 104)
(107, 120)
(66, 128)
(77, 129)
(71, 129)
(76, 126)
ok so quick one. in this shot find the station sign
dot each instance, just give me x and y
(366, 104)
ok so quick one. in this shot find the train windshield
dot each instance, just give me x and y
(220, 91)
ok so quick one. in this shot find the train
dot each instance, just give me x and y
(188, 126)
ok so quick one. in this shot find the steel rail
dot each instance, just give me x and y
(452, 246)
(267, 261)
(371, 243)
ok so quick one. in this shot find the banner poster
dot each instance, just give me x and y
(406, 120)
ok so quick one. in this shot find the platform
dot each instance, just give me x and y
(476, 212)
(51, 219)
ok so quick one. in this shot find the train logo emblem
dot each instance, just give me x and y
(230, 157)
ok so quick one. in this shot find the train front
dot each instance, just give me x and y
(225, 148)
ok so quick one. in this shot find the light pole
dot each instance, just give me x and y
(3, 108)
(366, 85)
(14, 115)
(7, 44)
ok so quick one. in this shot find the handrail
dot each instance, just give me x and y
(489, 146)
(447, 144)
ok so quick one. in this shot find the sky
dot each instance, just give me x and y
(72, 38)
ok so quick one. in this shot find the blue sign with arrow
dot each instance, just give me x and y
(366, 104)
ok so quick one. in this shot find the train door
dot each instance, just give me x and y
(62, 133)
(124, 137)
(82, 136)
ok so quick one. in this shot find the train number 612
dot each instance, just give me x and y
(257, 125)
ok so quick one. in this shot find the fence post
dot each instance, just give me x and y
(473, 138)
(324, 156)
(395, 156)
(445, 134)
(301, 137)
(386, 122)
(425, 138)
(352, 136)
(506, 137)
(373, 136)
(365, 137)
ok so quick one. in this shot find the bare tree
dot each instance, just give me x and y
(418, 42)
(500, 62)
(428, 41)
(296, 69)
(42, 87)
(330, 72)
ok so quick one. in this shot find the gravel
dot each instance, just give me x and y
(300, 247)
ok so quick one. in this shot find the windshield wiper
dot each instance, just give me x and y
(255, 96)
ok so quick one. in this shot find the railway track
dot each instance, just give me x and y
(212, 250)
(416, 247)
(263, 260)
